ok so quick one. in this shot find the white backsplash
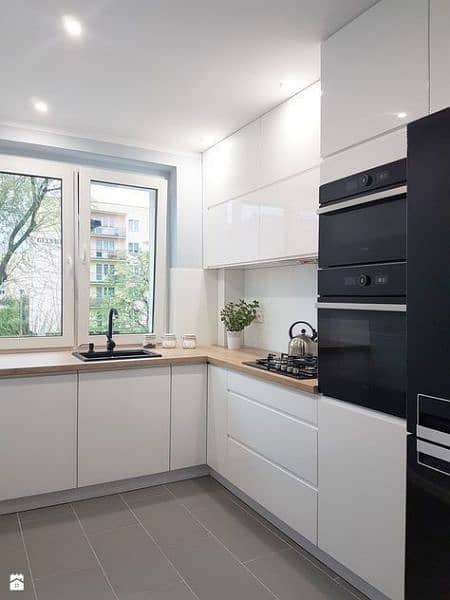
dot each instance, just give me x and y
(286, 294)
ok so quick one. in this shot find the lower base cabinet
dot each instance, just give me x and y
(123, 424)
(188, 416)
(38, 428)
(362, 480)
(274, 488)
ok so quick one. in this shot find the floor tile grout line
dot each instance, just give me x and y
(301, 552)
(159, 548)
(223, 545)
(268, 555)
(94, 552)
(27, 556)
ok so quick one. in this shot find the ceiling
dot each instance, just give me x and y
(170, 74)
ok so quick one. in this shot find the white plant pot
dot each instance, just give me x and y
(234, 340)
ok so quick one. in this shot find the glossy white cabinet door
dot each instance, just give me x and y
(280, 438)
(439, 54)
(289, 221)
(280, 492)
(123, 424)
(217, 420)
(245, 229)
(232, 232)
(373, 69)
(217, 173)
(188, 416)
(217, 234)
(38, 421)
(232, 167)
(362, 492)
(290, 136)
(245, 159)
(373, 153)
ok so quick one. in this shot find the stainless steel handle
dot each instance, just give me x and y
(435, 452)
(433, 435)
(357, 306)
(402, 189)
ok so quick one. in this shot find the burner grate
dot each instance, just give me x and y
(297, 367)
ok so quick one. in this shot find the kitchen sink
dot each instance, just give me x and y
(115, 355)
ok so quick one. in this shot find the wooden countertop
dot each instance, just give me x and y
(22, 364)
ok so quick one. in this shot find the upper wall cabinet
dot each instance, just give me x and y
(439, 54)
(375, 73)
(232, 167)
(261, 187)
(290, 136)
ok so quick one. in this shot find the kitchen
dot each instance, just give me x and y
(224, 361)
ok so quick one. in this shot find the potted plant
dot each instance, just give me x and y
(235, 316)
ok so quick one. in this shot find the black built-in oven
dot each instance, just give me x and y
(362, 289)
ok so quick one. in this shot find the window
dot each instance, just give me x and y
(120, 223)
(133, 225)
(36, 289)
(127, 254)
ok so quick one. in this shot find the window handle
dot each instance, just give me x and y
(83, 256)
(69, 262)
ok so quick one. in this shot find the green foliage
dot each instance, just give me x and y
(237, 315)
(132, 292)
(13, 320)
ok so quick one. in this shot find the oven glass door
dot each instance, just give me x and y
(363, 234)
(362, 356)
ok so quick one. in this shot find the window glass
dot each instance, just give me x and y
(30, 256)
(122, 234)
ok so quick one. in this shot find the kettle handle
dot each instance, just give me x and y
(291, 329)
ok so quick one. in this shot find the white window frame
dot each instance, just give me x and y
(159, 184)
(44, 168)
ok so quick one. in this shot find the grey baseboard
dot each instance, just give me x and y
(319, 554)
(102, 489)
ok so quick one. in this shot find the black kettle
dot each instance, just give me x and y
(302, 344)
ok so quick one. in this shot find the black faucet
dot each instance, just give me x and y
(110, 344)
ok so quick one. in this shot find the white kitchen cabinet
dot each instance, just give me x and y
(362, 479)
(373, 153)
(277, 490)
(288, 217)
(232, 232)
(38, 419)
(188, 416)
(123, 424)
(272, 449)
(217, 420)
(439, 54)
(290, 136)
(231, 168)
(373, 70)
(292, 402)
(280, 438)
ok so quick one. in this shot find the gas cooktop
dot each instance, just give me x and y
(304, 367)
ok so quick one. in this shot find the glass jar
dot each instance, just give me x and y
(149, 340)
(189, 341)
(169, 340)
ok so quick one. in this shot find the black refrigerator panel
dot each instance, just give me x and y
(428, 270)
(428, 522)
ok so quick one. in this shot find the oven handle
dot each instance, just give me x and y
(371, 307)
(363, 200)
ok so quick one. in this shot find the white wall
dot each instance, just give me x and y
(287, 294)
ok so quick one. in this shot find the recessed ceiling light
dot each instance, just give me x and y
(72, 26)
(40, 105)
(402, 115)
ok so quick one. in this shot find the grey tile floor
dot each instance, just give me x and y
(182, 541)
